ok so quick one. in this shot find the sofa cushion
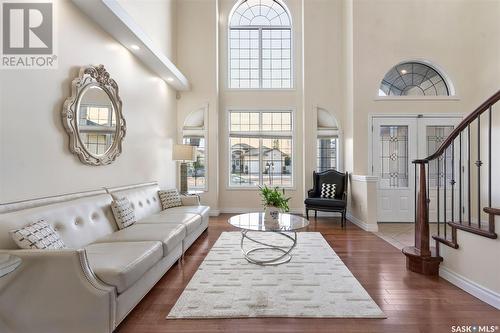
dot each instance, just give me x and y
(169, 235)
(144, 200)
(122, 264)
(324, 202)
(169, 198)
(37, 235)
(200, 210)
(190, 221)
(79, 222)
(123, 212)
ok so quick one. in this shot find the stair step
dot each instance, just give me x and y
(445, 241)
(492, 211)
(473, 228)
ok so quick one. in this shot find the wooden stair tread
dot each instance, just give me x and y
(413, 251)
(474, 228)
(491, 210)
(446, 241)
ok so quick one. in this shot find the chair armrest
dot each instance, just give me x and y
(310, 193)
(190, 200)
(55, 291)
(344, 196)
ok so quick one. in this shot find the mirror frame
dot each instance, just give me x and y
(93, 76)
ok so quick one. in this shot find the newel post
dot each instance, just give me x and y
(421, 258)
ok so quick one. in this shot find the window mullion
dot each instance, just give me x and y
(261, 160)
(260, 58)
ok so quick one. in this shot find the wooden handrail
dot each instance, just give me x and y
(421, 258)
(463, 125)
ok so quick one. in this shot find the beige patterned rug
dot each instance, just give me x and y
(315, 284)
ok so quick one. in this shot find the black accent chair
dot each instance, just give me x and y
(338, 203)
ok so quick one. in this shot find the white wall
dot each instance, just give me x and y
(34, 156)
(474, 266)
(323, 76)
(197, 59)
(461, 37)
(158, 20)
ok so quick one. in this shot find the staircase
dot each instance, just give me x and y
(461, 171)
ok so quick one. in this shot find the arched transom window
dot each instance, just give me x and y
(260, 45)
(413, 79)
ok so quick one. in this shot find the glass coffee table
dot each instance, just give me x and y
(286, 227)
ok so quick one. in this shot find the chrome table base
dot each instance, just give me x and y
(283, 252)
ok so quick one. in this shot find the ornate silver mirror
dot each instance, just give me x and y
(93, 117)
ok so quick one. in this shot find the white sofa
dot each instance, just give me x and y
(92, 285)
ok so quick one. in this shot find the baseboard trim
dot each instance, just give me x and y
(214, 212)
(362, 224)
(484, 294)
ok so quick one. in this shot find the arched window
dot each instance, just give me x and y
(194, 134)
(327, 144)
(260, 45)
(414, 79)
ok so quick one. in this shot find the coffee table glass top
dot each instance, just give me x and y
(255, 222)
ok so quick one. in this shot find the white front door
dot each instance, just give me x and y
(442, 172)
(394, 147)
(396, 142)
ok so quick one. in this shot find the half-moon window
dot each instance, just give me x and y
(260, 13)
(413, 79)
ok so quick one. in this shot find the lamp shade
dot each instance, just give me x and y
(183, 153)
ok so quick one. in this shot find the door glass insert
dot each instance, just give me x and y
(394, 155)
(435, 137)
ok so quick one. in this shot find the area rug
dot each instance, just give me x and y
(314, 284)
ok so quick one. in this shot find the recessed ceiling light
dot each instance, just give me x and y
(404, 71)
(170, 79)
(134, 47)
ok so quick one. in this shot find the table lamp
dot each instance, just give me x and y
(183, 153)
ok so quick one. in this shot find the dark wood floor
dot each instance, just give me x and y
(412, 303)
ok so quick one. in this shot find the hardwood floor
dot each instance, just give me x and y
(412, 302)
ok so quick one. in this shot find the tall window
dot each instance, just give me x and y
(413, 79)
(260, 45)
(194, 134)
(196, 169)
(261, 148)
(327, 153)
(327, 142)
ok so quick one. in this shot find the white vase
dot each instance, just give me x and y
(271, 214)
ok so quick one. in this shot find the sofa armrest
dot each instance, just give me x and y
(310, 193)
(190, 200)
(55, 291)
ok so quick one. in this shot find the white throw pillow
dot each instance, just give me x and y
(37, 235)
(170, 198)
(328, 191)
(123, 212)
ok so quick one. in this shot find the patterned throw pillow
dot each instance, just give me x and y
(328, 191)
(123, 212)
(170, 198)
(37, 235)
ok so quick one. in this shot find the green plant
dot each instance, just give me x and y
(274, 197)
